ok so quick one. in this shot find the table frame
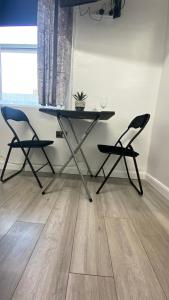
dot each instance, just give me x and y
(78, 147)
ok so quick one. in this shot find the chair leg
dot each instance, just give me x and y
(53, 171)
(4, 168)
(102, 165)
(103, 183)
(140, 190)
(16, 173)
(138, 177)
(32, 168)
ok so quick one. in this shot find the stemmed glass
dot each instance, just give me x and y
(62, 106)
(103, 102)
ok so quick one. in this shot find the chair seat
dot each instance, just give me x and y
(117, 150)
(31, 144)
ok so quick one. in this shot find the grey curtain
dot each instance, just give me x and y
(55, 25)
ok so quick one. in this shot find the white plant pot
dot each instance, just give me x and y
(80, 105)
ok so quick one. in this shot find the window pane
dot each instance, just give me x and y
(19, 77)
(18, 35)
(18, 67)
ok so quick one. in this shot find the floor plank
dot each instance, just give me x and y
(13, 187)
(14, 206)
(47, 273)
(90, 250)
(158, 205)
(149, 217)
(111, 204)
(143, 218)
(41, 206)
(15, 250)
(84, 287)
(134, 276)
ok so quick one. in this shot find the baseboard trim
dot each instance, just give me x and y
(159, 186)
(73, 170)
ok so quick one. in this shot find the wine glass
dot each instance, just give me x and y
(103, 102)
(62, 107)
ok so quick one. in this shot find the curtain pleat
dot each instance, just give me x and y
(55, 26)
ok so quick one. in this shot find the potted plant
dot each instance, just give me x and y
(80, 100)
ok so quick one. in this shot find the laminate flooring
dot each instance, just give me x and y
(60, 246)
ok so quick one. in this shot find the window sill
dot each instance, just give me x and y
(20, 105)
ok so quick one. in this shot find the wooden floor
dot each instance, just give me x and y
(60, 246)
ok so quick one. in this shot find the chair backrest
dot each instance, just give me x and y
(139, 123)
(17, 115)
(9, 113)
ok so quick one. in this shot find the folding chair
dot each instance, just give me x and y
(137, 123)
(18, 116)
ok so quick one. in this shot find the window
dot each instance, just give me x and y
(18, 65)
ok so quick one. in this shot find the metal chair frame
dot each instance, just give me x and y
(26, 153)
(129, 146)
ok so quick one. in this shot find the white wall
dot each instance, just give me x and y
(121, 59)
(158, 165)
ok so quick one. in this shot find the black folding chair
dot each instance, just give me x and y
(137, 123)
(18, 116)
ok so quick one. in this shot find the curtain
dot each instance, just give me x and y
(55, 25)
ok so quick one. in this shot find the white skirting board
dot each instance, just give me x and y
(73, 170)
(163, 189)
